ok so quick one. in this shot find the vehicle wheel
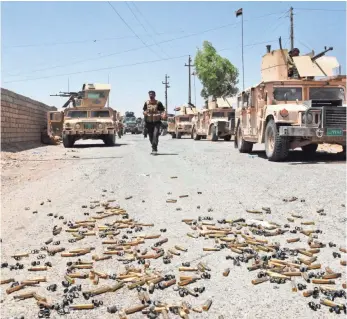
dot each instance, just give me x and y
(227, 138)
(178, 134)
(276, 147)
(242, 145)
(110, 139)
(196, 137)
(173, 135)
(68, 141)
(309, 149)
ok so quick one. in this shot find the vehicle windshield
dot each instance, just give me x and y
(184, 119)
(95, 95)
(100, 114)
(288, 94)
(130, 120)
(218, 114)
(77, 114)
(327, 93)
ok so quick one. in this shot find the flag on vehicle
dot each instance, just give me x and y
(238, 12)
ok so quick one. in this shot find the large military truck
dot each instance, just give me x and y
(215, 122)
(87, 118)
(291, 108)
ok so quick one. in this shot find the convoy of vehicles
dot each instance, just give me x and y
(290, 108)
(88, 118)
(287, 111)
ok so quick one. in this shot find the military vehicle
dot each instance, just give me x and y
(129, 123)
(88, 118)
(181, 124)
(215, 122)
(291, 108)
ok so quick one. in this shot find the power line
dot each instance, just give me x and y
(139, 48)
(144, 28)
(125, 65)
(129, 27)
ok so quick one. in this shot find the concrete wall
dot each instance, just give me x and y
(22, 118)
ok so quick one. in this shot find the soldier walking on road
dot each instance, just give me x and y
(153, 112)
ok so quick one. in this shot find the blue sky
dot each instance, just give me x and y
(49, 40)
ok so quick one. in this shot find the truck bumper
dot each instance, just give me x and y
(89, 132)
(324, 135)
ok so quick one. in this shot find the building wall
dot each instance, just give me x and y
(22, 118)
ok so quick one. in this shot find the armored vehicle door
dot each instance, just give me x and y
(242, 104)
(55, 123)
(252, 113)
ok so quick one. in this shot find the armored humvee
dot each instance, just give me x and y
(214, 123)
(181, 124)
(88, 118)
(291, 107)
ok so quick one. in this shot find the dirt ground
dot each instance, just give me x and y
(220, 183)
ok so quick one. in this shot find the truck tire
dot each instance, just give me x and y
(195, 135)
(110, 139)
(173, 135)
(242, 145)
(276, 146)
(178, 134)
(68, 141)
(227, 138)
(309, 149)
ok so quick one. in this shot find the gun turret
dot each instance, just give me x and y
(321, 54)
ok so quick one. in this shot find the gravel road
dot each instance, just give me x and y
(229, 183)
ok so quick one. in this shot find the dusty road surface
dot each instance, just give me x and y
(220, 183)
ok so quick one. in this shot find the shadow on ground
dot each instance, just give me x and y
(97, 145)
(159, 154)
(299, 158)
(20, 147)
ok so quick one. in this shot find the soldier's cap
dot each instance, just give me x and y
(151, 92)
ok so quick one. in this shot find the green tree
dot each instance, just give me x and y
(217, 74)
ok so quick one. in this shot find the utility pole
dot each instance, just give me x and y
(240, 13)
(166, 83)
(108, 100)
(194, 73)
(291, 28)
(189, 74)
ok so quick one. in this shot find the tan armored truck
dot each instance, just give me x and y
(215, 122)
(88, 118)
(182, 122)
(291, 108)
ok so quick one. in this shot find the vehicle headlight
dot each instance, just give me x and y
(100, 126)
(77, 126)
(307, 118)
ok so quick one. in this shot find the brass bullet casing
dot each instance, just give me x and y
(82, 307)
(304, 275)
(122, 314)
(314, 266)
(6, 281)
(38, 279)
(82, 266)
(78, 275)
(171, 201)
(343, 262)
(292, 273)
(291, 220)
(25, 295)
(226, 272)
(69, 279)
(210, 249)
(20, 255)
(255, 267)
(117, 286)
(164, 314)
(294, 287)
(15, 288)
(135, 309)
(197, 309)
(100, 290)
(328, 270)
(307, 293)
(329, 303)
(323, 281)
(187, 269)
(206, 306)
(38, 268)
(308, 223)
(343, 249)
(332, 276)
(344, 285)
(96, 280)
(293, 240)
(259, 280)
(182, 313)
